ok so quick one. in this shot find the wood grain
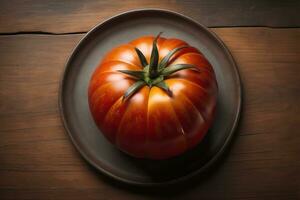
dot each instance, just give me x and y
(38, 161)
(63, 16)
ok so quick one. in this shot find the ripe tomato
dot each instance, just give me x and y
(154, 97)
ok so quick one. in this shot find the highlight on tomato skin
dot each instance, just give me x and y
(154, 97)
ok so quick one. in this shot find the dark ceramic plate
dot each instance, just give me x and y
(88, 139)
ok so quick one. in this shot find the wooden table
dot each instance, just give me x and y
(37, 159)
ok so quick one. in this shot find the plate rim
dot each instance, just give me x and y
(107, 173)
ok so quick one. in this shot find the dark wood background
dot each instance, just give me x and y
(37, 159)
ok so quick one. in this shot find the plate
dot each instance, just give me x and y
(87, 138)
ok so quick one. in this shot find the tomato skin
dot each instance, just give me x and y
(151, 124)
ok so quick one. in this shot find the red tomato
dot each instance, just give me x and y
(167, 113)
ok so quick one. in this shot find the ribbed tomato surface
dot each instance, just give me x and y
(152, 124)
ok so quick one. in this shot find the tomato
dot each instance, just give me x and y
(154, 97)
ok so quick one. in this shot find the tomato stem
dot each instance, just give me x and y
(153, 66)
(154, 73)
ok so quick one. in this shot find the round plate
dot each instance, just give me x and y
(88, 139)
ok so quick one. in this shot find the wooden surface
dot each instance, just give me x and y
(61, 16)
(38, 161)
